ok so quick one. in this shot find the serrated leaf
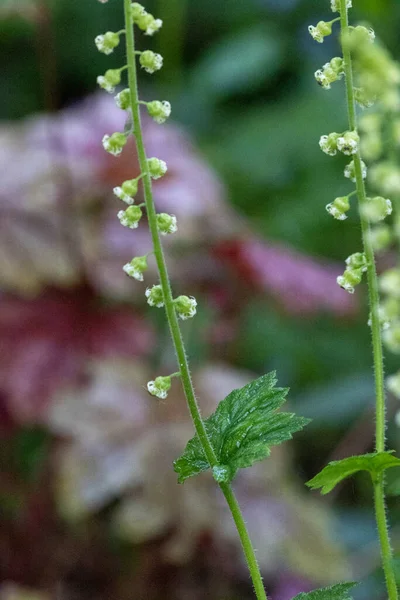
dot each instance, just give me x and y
(242, 429)
(335, 592)
(338, 470)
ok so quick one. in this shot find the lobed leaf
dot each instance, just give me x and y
(242, 429)
(335, 592)
(338, 470)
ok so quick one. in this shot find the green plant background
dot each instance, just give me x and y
(257, 121)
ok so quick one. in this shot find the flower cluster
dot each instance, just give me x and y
(153, 168)
(331, 71)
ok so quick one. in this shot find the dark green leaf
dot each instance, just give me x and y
(336, 592)
(242, 429)
(338, 470)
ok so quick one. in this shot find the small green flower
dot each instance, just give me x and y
(185, 307)
(328, 143)
(127, 191)
(376, 209)
(114, 143)
(350, 171)
(155, 296)
(339, 207)
(159, 387)
(166, 223)
(109, 80)
(320, 31)
(393, 384)
(381, 237)
(348, 143)
(123, 99)
(130, 217)
(391, 337)
(357, 261)
(350, 278)
(159, 111)
(389, 282)
(157, 167)
(151, 61)
(136, 267)
(148, 24)
(107, 42)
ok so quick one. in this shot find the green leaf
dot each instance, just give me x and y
(336, 592)
(338, 470)
(242, 430)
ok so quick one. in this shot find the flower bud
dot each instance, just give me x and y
(328, 143)
(130, 217)
(393, 384)
(159, 111)
(321, 30)
(155, 296)
(389, 282)
(159, 387)
(350, 171)
(149, 24)
(335, 5)
(127, 191)
(376, 209)
(166, 223)
(123, 99)
(348, 143)
(349, 279)
(185, 307)
(360, 35)
(381, 237)
(115, 143)
(357, 261)
(157, 167)
(107, 42)
(150, 61)
(339, 207)
(137, 10)
(364, 98)
(391, 338)
(111, 78)
(136, 267)
(330, 72)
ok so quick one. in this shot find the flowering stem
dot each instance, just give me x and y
(373, 292)
(171, 313)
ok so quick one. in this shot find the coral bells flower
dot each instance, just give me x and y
(159, 111)
(149, 24)
(107, 42)
(137, 10)
(330, 72)
(110, 80)
(350, 278)
(328, 143)
(185, 307)
(159, 387)
(357, 261)
(321, 30)
(136, 267)
(348, 143)
(127, 191)
(339, 207)
(157, 167)
(123, 99)
(350, 171)
(155, 296)
(151, 61)
(381, 237)
(376, 209)
(166, 223)
(114, 143)
(130, 217)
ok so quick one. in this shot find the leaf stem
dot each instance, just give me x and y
(170, 310)
(373, 292)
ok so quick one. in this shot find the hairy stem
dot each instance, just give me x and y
(373, 292)
(171, 314)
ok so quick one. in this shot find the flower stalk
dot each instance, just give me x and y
(373, 292)
(170, 307)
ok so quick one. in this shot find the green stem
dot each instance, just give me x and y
(373, 292)
(171, 313)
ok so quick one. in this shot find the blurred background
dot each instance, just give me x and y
(89, 504)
